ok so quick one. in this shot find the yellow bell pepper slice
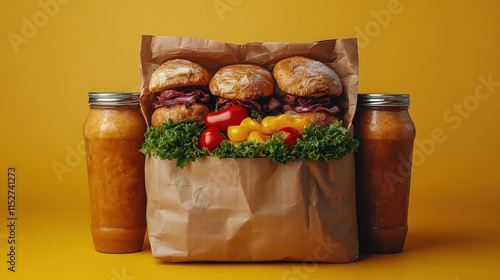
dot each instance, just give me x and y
(270, 125)
(284, 119)
(255, 136)
(251, 124)
(299, 123)
(237, 133)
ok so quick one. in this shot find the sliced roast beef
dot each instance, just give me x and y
(263, 106)
(186, 96)
(298, 104)
(273, 104)
(223, 103)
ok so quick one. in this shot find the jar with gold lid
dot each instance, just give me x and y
(114, 133)
(386, 133)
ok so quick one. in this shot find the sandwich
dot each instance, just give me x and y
(248, 85)
(181, 92)
(308, 88)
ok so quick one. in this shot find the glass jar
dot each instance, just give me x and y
(386, 133)
(114, 133)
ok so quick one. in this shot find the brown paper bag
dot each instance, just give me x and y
(252, 209)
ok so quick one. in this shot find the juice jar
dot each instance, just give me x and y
(114, 133)
(386, 133)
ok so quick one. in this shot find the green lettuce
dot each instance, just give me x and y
(179, 142)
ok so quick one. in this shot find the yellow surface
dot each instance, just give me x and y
(444, 53)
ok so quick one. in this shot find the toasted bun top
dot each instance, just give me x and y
(178, 73)
(306, 77)
(243, 82)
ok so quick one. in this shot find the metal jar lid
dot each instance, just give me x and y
(114, 98)
(385, 100)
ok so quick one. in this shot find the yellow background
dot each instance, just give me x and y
(444, 53)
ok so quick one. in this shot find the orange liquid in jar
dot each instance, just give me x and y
(113, 136)
(383, 173)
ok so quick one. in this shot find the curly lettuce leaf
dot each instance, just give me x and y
(173, 141)
(321, 144)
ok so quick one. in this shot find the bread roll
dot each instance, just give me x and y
(178, 73)
(306, 77)
(178, 113)
(243, 82)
